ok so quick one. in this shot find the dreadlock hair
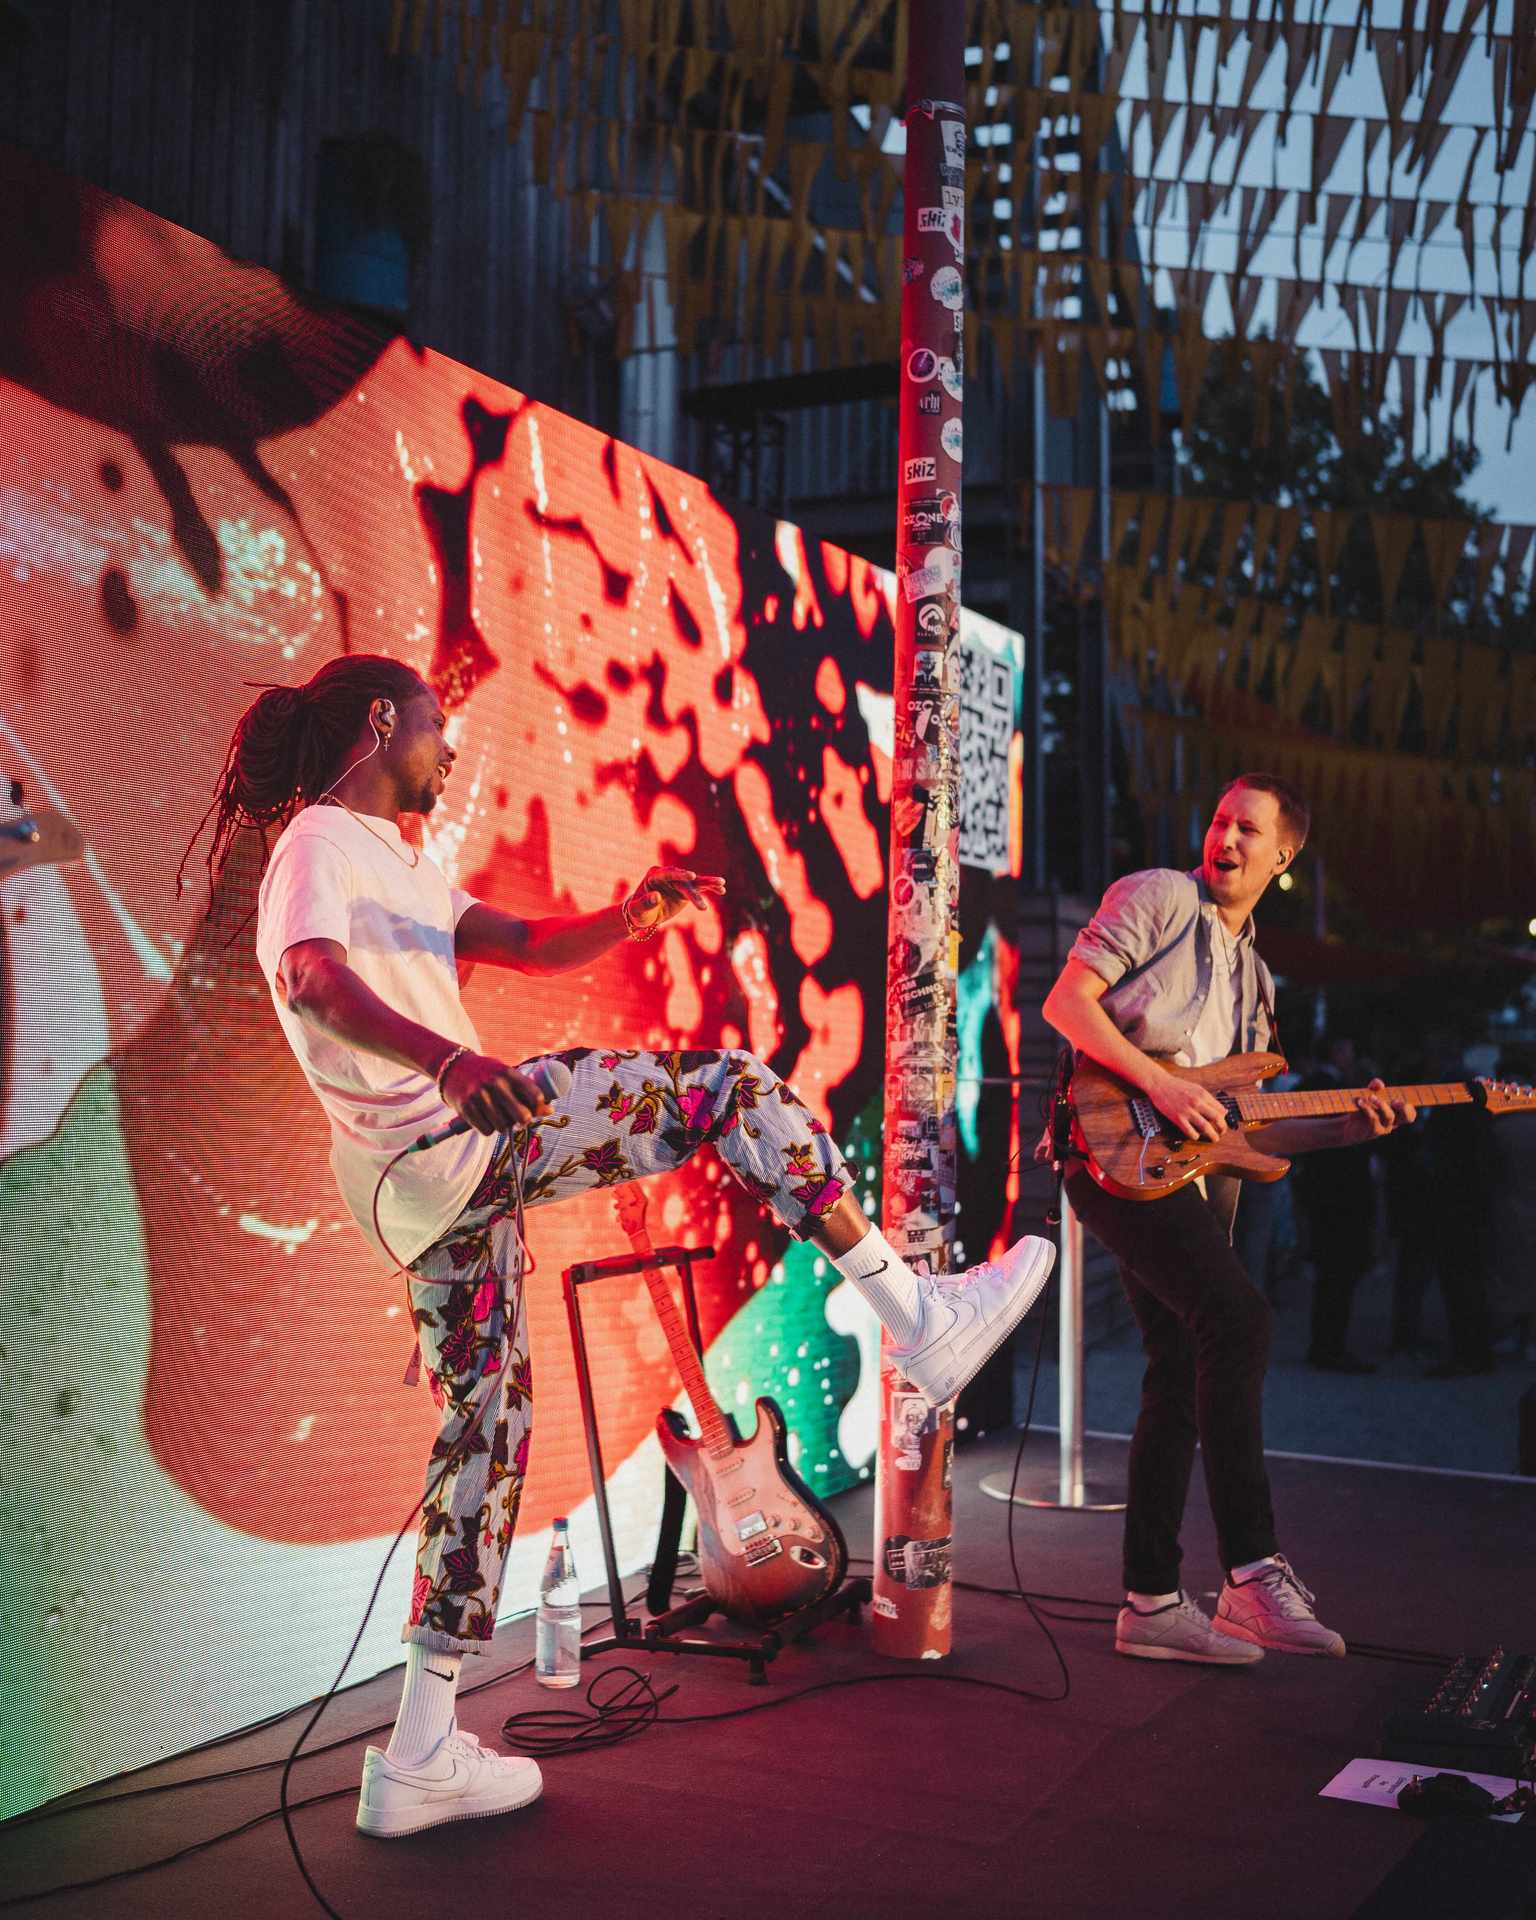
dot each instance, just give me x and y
(287, 746)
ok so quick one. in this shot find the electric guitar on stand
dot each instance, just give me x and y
(1134, 1151)
(767, 1547)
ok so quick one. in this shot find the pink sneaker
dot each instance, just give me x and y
(1271, 1608)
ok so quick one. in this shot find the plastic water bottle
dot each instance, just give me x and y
(557, 1636)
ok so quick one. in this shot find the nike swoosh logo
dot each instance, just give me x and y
(874, 1270)
(456, 1782)
(441, 1676)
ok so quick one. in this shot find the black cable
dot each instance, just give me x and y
(617, 1715)
(636, 1705)
(182, 1853)
(458, 1452)
(73, 1802)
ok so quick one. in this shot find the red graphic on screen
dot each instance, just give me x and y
(636, 674)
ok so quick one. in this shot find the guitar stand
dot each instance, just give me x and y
(667, 1629)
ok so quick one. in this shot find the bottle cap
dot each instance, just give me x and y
(561, 1521)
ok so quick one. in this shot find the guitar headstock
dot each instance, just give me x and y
(36, 837)
(1507, 1096)
(629, 1206)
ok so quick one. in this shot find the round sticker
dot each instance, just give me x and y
(950, 438)
(948, 288)
(922, 364)
(949, 378)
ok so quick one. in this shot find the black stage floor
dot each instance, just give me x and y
(1153, 1790)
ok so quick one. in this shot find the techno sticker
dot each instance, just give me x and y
(922, 364)
(951, 439)
(915, 472)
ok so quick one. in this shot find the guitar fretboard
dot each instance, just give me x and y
(713, 1431)
(1327, 1100)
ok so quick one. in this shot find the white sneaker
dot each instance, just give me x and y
(1271, 1608)
(967, 1317)
(458, 1780)
(1178, 1631)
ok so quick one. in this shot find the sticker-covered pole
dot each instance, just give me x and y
(912, 1612)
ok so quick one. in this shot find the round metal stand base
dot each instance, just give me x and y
(1044, 1490)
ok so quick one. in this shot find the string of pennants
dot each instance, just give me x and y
(1423, 840)
(746, 260)
(1354, 682)
(1248, 546)
(1328, 697)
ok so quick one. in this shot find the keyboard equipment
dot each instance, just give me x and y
(1480, 1716)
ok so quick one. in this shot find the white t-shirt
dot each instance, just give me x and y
(331, 877)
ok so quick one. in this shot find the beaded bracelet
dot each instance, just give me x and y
(442, 1072)
(634, 932)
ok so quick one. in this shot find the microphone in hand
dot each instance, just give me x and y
(554, 1076)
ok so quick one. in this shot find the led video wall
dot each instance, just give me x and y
(206, 480)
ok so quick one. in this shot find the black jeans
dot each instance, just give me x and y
(1205, 1328)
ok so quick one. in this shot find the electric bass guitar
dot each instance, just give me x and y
(767, 1546)
(1134, 1151)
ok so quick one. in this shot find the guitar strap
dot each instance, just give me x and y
(1266, 1002)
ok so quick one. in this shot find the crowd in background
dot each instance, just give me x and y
(1447, 1205)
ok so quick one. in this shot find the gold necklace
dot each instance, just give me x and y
(415, 858)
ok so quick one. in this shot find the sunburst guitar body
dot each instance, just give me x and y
(767, 1546)
(1132, 1150)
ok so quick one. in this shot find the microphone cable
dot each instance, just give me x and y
(462, 1447)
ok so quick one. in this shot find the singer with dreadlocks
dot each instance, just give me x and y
(359, 936)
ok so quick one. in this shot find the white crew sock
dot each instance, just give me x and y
(1247, 1571)
(1147, 1602)
(426, 1705)
(876, 1270)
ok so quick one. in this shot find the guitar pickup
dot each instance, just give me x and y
(749, 1528)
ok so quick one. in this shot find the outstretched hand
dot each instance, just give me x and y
(665, 891)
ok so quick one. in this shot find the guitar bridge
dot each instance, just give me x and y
(762, 1550)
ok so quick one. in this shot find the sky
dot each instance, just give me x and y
(1505, 480)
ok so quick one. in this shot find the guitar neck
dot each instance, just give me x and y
(1331, 1100)
(717, 1436)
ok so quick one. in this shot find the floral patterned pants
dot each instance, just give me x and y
(626, 1114)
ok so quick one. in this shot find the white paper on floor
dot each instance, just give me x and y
(1377, 1783)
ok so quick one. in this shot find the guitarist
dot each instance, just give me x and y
(361, 937)
(1167, 969)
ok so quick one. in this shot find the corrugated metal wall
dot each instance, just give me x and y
(213, 116)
